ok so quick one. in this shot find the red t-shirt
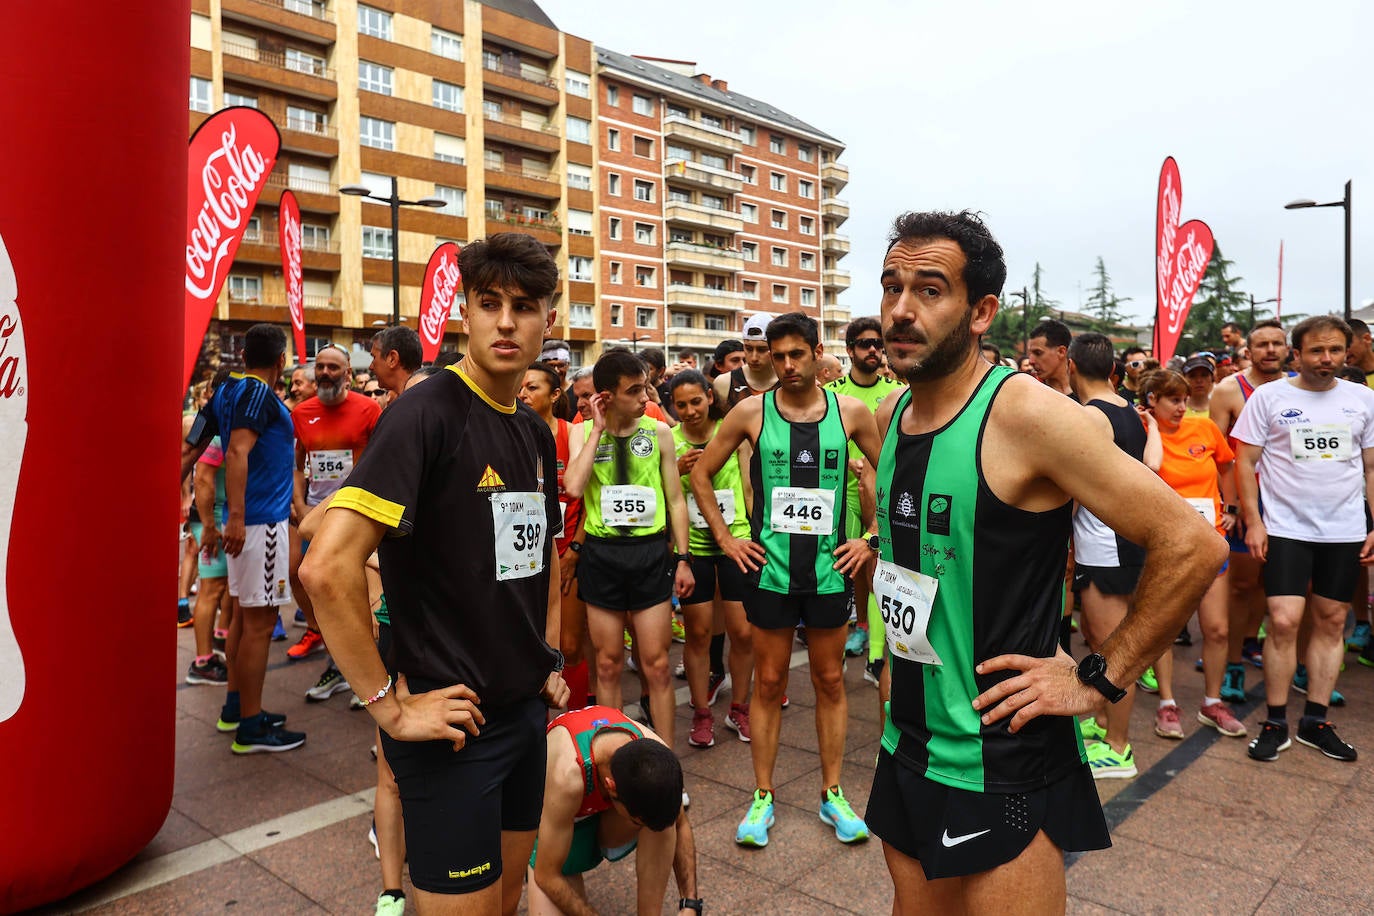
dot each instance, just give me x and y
(572, 508)
(333, 438)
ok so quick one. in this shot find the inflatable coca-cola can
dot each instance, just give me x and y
(93, 112)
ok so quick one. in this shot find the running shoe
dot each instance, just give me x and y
(1108, 764)
(835, 811)
(311, 643)
(703, 733)
(218, 643)
(714, 681)
(646, 715)
(1359, 639)
(1220, 717)
(1366, 656)
(299, 620)
(857, 643)
(1300, 685)
(1273, 737)
(184, 616)
(801, 634)
(278, 631)
(680, 672)
(629, 640)
(330, 682)
(388, 905)
(227, 724)
(372, 838)
(1148, 682)
(753, 830)
(1089, 730)
(1197, 665)
(785, 701)
(1320, 734)
(631, 665)
(873, 671)
(1166, 722)
(1184, 638)
(679, 631)
(212, 673)
(1233, 683)
(1253, 653)
(737, 720)
(266, 740)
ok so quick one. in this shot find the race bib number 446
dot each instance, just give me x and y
(800, 510)
(520, 524)
(905, 599)
(1321, 442)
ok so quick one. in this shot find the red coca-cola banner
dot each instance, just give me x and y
(289, 230)
(443, 280)
(1181, 256)
(231, 155)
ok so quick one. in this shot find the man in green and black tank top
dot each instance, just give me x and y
(979, 469)
(798, 557)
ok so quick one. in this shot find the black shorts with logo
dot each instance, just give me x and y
(457, 803)
(1110, 580)
(711, 569)
(625, 574)
(770, 610)
(1332, 569)
(955, 832)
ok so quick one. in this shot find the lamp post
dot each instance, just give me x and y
(1344, 203)
(396, 203)
(1253, 303)
(1024, 293)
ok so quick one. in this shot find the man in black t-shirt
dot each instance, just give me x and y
(458, 493)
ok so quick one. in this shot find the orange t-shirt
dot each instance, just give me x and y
(1191, 456)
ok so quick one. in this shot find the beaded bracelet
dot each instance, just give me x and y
(379, 694)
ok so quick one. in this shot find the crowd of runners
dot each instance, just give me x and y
(477, 550)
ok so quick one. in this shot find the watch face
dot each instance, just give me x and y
(1093, 666)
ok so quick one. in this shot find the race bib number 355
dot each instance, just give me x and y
(1321, 442)
(800, 510)
(628, 506)
(905, 599)
(520, 524)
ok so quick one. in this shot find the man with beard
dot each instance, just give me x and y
(981, 781)
(332, 430)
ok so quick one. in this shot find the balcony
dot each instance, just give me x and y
(834, 314)
(705, 257)
(701, 217)
(676, 127)
(534, 182)
(835, 279)
(526, 82)
(836, 209)
(682, 295)
(306, 19)
(707, 177)
(313, 195)
(541, 136)
(834, 176)
(310, 137)
(547, 231)
(832, 243)
(697, 338)
(263, 247)
(272, 70)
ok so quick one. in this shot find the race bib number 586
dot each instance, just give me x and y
(520, 524)
(1321, 442)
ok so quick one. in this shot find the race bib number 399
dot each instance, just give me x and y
(520, 524)
(800, 510)
(1321, 442)
(905, 599)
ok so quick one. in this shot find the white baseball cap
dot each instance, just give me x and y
(756, 327)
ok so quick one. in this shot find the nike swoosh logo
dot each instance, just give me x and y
(949, 841)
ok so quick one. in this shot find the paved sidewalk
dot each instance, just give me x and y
(1203, 829)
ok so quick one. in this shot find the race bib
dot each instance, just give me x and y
(520, 523)
(799, 510)
(905, 599)
(1321, 442)
(725, 501)
(1205, 507)
(331, 464)
(626, 506)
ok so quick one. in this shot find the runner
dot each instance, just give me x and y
(1315, 434)
(728, 356)
(208, 666)
(1049, 354)
(465, 479)
(396, 354)
(1134, 360)
(613, 787)
(1200, 372)
(302, 385)
(976, 479)
(757, 375)
(797, 556)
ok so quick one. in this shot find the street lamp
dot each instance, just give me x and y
(358, 190)
(1024, 293)
(1345, 204)
(1253, 303)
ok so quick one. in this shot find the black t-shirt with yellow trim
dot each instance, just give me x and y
(448, 470)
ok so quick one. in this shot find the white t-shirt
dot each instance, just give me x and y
(1312, 475)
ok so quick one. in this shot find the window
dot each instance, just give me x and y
(679, 152)
(239, 45)
(238, 98)
(580, 222)
(448, 148)
(777, 144)
(446, 44)
(616, 309)
(779, 292)
(644, 233)
(644, 190)
(749, 250)
(580, 269)
(711, 120)
(579, 176)
(252, 230)
(200, 32)
(750, 135)
(615, 272)
(806, 188)
(200, 94)
(613, 96)
(376, 242)
(644, 147)
(612, 139)
(642, 105)
(491, 60)
(777, 181)
(679, 196)
(716, 323)
(306, 177)
(677, 111)
(579, 130)
(680, 319)
(374, 77)
(750, 288)
(646, 277)
(779, 257)
(808, 297)
(749, 212)
(807, 260)
(680, 235)
(244, 289)
(313, 236)
(806, 225)
(805, 154)
(712, 202)
(779, 219)
(578, 84)
(374, 22)
(491, 109)
(495, 209)
(714, 161)
(447, 96)
(579, 315)
(613, 184)
(646, 317)
(613, 229)
(304, 62)
(750, 174)
(306, 120)
(377, 133)
(455, 200)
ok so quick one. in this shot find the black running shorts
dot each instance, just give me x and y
(713, 569)
(625, 574)
(954, 832)
(457, 803)
(769, 610)
(1331, 569)
(1110, 580)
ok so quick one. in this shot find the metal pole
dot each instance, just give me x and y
(1347, 251)
(1252, 310)
(395, 253)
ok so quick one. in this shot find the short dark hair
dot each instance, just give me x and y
(985, 267)
(859, 326)
(1093, 356)
(1352, 374)
(996, 351)
(1358, 327)
(725, 348)
(615, 364)
(1233, 326)
(555, 383)
(1266, 323)
(263, 345)
(508, 260)
(799, 323)
(685, 353)
(448, 358)
(653, 358)
(1126, 353)
(1319, 323)
(426, 371)
(648, 780)
(1056, 333)
(405, 341)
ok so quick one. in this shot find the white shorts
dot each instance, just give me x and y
(260, 575)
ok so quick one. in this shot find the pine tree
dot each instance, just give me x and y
(1103, 304)
(1015, 317)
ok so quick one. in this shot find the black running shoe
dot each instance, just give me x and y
(645, 715)
(1272, 738)
(1320, 734)
(266, 741)
(1184, 638)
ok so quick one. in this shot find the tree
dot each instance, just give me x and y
(1219, 299)
(1103, 304)
(1015, 317)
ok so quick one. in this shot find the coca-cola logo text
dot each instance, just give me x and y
(11, 363)
(291, 251)
(447, 279)
(1182, 253)
(229, 179)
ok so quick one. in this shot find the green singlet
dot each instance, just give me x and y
(625, 461)
(872, 396)
(699, 539)
(1000, 571)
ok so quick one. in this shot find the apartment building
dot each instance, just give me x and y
(672, 205)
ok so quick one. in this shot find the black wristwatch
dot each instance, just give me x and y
(1232, 510)
(1092, 670)
(684, 558)
(575, 546)
(690, 903)
(559, 661)
(875, 543)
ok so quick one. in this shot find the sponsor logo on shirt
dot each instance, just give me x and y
(905, 509)
(805, 457)
(490, 481)
(1197, 451)
(832, 459)
(642, 444)
(938, 511)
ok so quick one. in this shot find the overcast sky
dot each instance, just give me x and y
(1053, 119)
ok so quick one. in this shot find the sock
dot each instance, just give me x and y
(1163, 703)
(183, 602)
(718, 653)
(204, 659)
(221, 634)
(1278, 715)
(394, 892)
(1208, 701)
(1312, 710)
(576, 678)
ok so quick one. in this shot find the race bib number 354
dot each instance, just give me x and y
(520, 524)
(905, 599)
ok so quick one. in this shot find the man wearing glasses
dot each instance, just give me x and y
(1135, 364)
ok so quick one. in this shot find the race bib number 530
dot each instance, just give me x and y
(905, 598)
(520, 523)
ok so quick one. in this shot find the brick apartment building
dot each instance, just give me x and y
(674, 206)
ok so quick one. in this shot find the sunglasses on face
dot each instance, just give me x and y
(868, 343)
(1136, 363)
(376, 393)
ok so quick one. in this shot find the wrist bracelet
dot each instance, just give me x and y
(376, 697)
